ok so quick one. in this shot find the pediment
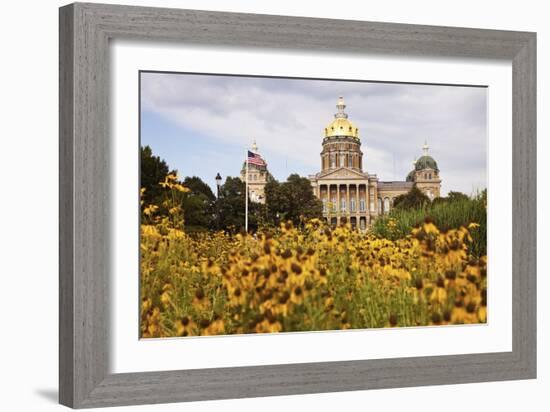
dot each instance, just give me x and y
(342, 173)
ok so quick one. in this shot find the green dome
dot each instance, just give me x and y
(426, 162)
(410, 176)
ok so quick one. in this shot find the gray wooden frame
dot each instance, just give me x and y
(85, 31)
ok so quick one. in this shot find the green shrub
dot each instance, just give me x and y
(446, 213)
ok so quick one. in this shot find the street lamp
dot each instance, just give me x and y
(218, 183)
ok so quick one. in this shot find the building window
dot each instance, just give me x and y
(341, 160)
(379, 205)
(386, 205)
(324, 205)
(332, 160)
(343, 205)
(363, 224)
(352, 205)
(350, 161)
(334, 204)
(362, 205)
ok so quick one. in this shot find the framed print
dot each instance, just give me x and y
(257, 205)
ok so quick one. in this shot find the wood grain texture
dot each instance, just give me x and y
(85, 31)
(66, 107)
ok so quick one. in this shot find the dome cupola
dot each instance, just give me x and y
(426, 161)
(341, 126)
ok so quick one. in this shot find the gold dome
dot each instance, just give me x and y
(341, 126)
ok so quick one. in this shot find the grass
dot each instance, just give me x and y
(446, 215)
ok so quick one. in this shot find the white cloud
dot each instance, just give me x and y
(287, 118)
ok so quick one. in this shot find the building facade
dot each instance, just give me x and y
(257, 176)
(346, 190)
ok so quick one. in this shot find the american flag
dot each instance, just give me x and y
(255, 159)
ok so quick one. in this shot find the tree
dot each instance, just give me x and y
(197, 186)
(454, 196)
(153, 171)
(292, 200)
(197, 204)
(451, 197)
(414, 199)
(229, 208)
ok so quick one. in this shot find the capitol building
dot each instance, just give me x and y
(344, 187)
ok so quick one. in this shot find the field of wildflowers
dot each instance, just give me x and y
(302, 279)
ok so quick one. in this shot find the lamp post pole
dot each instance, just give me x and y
(216, 203)
(218, 184)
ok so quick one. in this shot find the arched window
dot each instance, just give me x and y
(352, 204)
(379, 205)
(324, 205)
(362, 205)
(386, 205)
(343, 205)
(350, 161)
(332, 160)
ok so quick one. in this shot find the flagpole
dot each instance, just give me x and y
(246, 197)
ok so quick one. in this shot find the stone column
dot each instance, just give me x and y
(348, 206)
(363, 195)
(320, 192)
(357, 203)
(330, 200)
(337, 204)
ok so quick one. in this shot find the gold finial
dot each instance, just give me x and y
(254, 146)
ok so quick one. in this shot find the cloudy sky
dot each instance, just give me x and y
(203, 124)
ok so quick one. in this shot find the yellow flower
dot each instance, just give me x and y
(181, 188)
(149, 210)
(146, 305)
(185, 326)
(439, 295)
(217, 327)
(297, 295)
(165, 298)
(310, 277)
(482, 314)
